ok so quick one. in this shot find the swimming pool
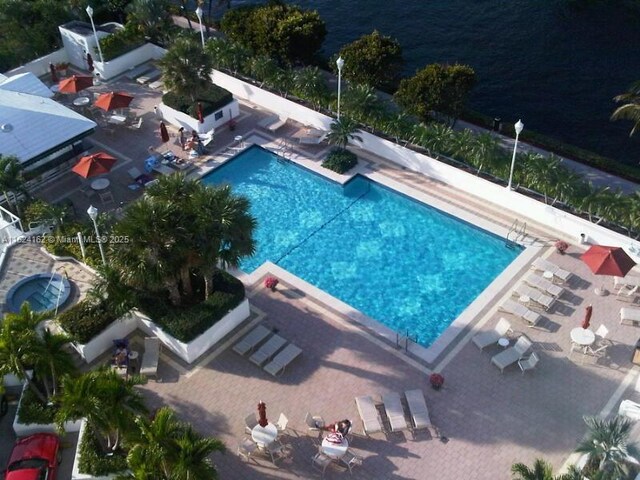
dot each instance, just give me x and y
(405, 264)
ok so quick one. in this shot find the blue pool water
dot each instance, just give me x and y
(43, 292)
(409, 266)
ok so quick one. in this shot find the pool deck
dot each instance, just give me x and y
(491, 420)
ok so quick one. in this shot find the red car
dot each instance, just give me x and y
(35, 457)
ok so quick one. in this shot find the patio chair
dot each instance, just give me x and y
(314, 424)
(268, 350)
(395, 413)
(87, 191)
(250, 421)
(484, 339)
(151, 357)
(547, 266)
(544, 285)
(246, 447)
(351, 460)
(207, 138)
(251, 340)
(282, 422)
(600, 346)
(369, 415)
(514, 308)
(630, 315)
(283, 359)
(106, 197)
(419, 412)
(528, 363)
(136, 125)
(511, 355)
(275, 450)
(320, 462)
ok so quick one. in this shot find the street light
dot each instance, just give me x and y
(89, 11)
(199, 14)
(340, 64)
(518, 126)
(93, 214)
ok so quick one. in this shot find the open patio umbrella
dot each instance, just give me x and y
(604, 260)
(200, 114)
(113, 100)
(262, 414)
(587, 317)
(54, 75)
(75, 83)
(93, 165)
(164, 134)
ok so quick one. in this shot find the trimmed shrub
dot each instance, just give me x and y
(212, 100)
(119, 43)
(33, 411)
(94, 461)
(340, 160)
(85, 320)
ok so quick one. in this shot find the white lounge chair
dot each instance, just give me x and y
(547, 266)
(514, 308)
(268, 350)
(272, 123)
(629, 409)
(207, 138)
(511, 355)
(395, 413)
(544, 285)
(419, 411)
(251, 340)
(534, 295)
(283, 359)
(151, 357)
(630, 316)
(484, 339)
(368, 415)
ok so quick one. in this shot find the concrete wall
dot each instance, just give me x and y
(104, 340)
(129, 60)
(23, 429)
(522, 206)
(179, 119)
(40, 66)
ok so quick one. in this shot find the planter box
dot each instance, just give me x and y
(23, 429)
(179, 119)
(188, 352)
(75, 473)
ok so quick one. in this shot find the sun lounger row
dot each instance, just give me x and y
(630, 316)
(514, 308)
(534, 295)
(544, 285)
(558, 273)
(270, 355)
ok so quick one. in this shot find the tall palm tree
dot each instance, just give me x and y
(309, 83)
(361, 102)
(52, 360)
(342, 130)
(192, 459)
(11, 180)
(111, 291)
(229, 55)
(263, 68)
(630, 110)
(186, 67)
(608, 445)
(541, 471)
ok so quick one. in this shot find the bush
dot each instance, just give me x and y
(120, 42)
(340, 160)
(93, 460)
(187, 322)
(212, 100)
(85, 320)
(33, 411)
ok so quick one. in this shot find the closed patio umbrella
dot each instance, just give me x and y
(89, 62)
(603, 260)
(164, 134)
(113, 100)
(587, 317)
(54, 75)
(93, 165)
(200, 114)
(262, 414)
(75, 83)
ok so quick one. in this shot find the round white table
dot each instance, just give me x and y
(548, 275)
(335, 450)
(584, 337)
(100, 184)
(525, 299)
(503, 342)
(264, 436)
(81, 101)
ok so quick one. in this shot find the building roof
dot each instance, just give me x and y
(31, 125)
(26, 83)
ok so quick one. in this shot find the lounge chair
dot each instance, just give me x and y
(272, 123)
(544, 285)
(534, 295)
(149, 76)
(420, 419)
(484, 339)
(514, 308)
(547, 266)
(268, 350)
(151, 357)
(630, 316)
(511, 355)
(368, 415)
(395, 413)
(283, 359)
(251, 340)
(207, 138)
(629, 409)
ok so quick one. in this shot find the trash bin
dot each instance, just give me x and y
(635, 356)
(497, 125)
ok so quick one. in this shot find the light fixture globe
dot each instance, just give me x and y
(340, 63)
(199, 12)
(92, 212)
(89, 11)
(519, 126)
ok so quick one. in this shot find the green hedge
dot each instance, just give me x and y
(33, 411)
(212, 100)
(94, 461)
(85, 320)
(188, 322)
(120, 42)
(340, 160)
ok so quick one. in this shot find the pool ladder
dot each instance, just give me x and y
(284, 149)
(406, 338)
(519, 231)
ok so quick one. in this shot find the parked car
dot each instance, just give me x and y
(35, 457)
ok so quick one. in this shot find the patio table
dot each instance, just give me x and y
(100, 184)
(117, 119)
(264, 436)
(334, 450)
(81, 101)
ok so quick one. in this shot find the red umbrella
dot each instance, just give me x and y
(93, 165)
(262, 413)
(587, 317)
(54, 75)
(200, 115)
(90, 61)
(75, 83)
(113, 100)
(607, 261)
(164, 134)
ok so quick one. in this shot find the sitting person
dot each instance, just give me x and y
(343, 427)
(120, 357)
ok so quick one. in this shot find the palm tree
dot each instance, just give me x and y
(309, 83)
(263, 68)
(192, 460)
(541, 471)
(227, 54)
(608, 445)
(11, 180)
(52, 357)
(111, 291)
(342, 130)
(361, 102)
(151, 16)
(631, 108)
(186, 67)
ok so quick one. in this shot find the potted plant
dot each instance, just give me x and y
(271, 282)
(561, 246)
(436, 380)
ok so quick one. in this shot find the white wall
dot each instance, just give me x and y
(40, 66)
(179, 119)
(129, 60)
(522, 206)
(104, 341)
(23, 429)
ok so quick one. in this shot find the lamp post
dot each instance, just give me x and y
(518, 126)
(93, 214)
(340, 64)
(89, 11)
(199, 14)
